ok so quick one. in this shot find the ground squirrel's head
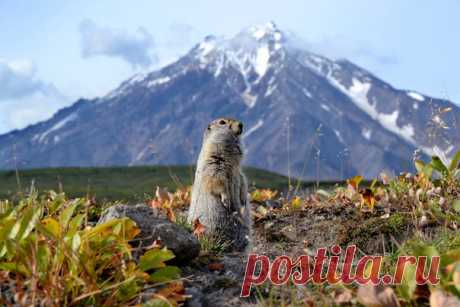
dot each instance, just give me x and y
(223, 134)
(224, 129)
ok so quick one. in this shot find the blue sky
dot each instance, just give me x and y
(53, 52)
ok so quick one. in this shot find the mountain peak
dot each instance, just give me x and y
(268, 29)
(251, 51)
(250, 38)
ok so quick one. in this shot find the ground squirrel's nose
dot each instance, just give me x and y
(238, 127)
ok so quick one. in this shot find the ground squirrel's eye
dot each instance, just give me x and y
(209, 127)
(222, 122)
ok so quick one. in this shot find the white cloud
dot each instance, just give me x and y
(339, 46)
(21, 112)
(134, 48)
(18, 80)
(24, 98)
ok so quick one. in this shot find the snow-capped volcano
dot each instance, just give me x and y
(302, 113)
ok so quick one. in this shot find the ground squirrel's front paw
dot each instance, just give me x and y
(225, 201)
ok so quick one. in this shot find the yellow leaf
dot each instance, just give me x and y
(52, 226)
(262, 195)
(296, 202)
(354, 182)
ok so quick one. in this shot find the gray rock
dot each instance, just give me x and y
(182, 243)
(196, 297)
(217, 288)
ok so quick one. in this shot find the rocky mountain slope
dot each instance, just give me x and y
(305, 115)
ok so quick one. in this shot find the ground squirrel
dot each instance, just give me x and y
(219, 194)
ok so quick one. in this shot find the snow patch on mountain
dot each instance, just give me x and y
(158, 81)
(389, 121)
(325, 107)
(116, 92)
(415, 96)
(307, 93)
(366, 133)
(207, 46)
(164, 129)
(259, 31)
(249, 99)
(277, 36)
(358, 93)
(270, 90)
(320, 65)
(56, 126)
(137, 78)
(262, 61)
(253, 129)
(339, 136)
(140, 155)
(220, 63)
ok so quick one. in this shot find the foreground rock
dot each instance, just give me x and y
(153, 227)
(215, 281)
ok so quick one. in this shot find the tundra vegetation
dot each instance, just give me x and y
(53, 251)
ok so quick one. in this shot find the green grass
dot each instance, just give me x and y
(118, 183)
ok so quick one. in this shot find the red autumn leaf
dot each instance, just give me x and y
(354, 182)
(198, 228)
(173, 292)
(170, 215)
(216, 266)
(155, 204)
